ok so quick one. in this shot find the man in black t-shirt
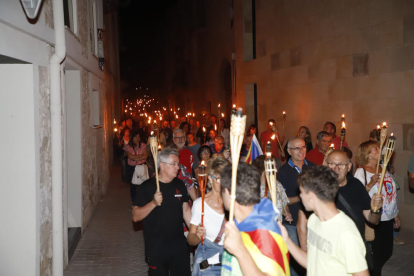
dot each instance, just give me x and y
(162, 214)
(352, 198)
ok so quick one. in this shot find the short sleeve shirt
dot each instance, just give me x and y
(186, 166)
(315, 156)
(287, 176)
(335, 247)
(163, 227)
(358, 199)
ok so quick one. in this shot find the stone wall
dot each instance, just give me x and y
(317, 60)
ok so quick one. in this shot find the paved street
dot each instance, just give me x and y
(113, 245)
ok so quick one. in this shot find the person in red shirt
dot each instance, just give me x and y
(336, 140)
(267, 136)
(186, 162)
(317, 155)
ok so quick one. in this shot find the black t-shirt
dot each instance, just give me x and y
(163, 227)
(287, 176)
(358, 199)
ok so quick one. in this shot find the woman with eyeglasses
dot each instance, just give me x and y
(382, 245)
(207, 259)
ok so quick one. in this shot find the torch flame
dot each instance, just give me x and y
(384, 124)
(219, 105)
(268, 154)
(176, 116)
(271, 123)
(155, 121)
(222, 115)
(273, 137)
(343, 124)
(392, 134)
(343, 115)
(378, 126)
(193, 114)
(115, 129)
(284, 112)
(202, 163)
(234, 106)
(332, 146)
(152, 132)
(204, 129)
(215, 127)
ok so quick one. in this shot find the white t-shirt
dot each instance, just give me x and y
(388, 191)
(335, 247)
(212, 223)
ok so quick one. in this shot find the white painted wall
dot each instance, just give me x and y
(74, 147)
(18, 186)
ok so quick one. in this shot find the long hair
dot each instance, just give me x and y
(131, 139)
(308, 139)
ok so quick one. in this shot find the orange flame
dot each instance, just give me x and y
(202, 163)
(273, 137)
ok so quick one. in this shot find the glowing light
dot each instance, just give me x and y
(126, 111)
(268, 154)
(152, 132)
(193, 114)
(271, 123)
(114, 121)
(204, 129)
(343, 115)
(234, 106)
(273, 137)
(343, 125)
(202, 163)
(215, 127)
(332, 146)
(284, 113)
(378, 126)
(178, 108)
(392, 134)
(115, 129)
(384, 124)
(176, 116)
(219, 105)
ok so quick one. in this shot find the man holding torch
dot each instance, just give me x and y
(162, 213)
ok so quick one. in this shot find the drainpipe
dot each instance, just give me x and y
(56, 136)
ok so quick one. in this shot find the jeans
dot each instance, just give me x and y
(295, 268)
(209, 249)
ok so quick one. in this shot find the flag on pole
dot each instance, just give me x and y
(254, 151)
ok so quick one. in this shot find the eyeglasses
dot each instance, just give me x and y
(216, 178)
(180, 138)
(172, 164)
(340, 165)
(298, 148)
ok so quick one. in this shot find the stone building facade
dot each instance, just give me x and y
(90, 103)
(320, 59)
(315, 60)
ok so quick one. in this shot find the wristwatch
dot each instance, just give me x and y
(377, 212)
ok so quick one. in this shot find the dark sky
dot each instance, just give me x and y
(142, 42)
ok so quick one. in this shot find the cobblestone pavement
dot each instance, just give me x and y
(113, 245)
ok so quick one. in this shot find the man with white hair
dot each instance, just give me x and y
(162, 213)
(186, 162)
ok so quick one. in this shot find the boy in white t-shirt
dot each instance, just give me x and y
(335, 246)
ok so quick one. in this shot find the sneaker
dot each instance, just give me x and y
(398, 240)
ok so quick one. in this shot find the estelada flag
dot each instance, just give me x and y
(262, 237)
(254, 151)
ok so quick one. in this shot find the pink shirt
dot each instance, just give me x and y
(137, 151)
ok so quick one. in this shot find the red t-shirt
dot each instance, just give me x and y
(265, 137)
(315, 156)
(186, 164)
(337, 143)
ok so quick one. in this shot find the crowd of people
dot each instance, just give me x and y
(327, 219)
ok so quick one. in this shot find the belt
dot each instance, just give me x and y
(219, 264)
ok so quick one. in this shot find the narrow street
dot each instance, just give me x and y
(111, 244)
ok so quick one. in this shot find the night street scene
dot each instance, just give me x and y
(207, 137)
